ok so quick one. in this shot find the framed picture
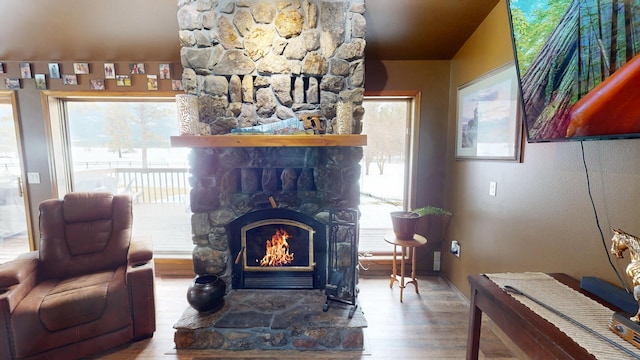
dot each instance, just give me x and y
(54, 70)
(123, 80)
(165, 71)
(25, 70)
(71, 79)
(152, 82)
(12, 83)
(109, 71)
(96, 84)
(488, 117)
(135, 69)
(80, 68)
(176, 85)
(41, 82)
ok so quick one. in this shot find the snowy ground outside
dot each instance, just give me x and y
(375, 213)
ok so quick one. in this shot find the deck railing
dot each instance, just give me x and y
(146, 185)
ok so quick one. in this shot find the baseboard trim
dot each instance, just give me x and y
(173, 267)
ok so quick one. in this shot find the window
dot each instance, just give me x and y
(121, 145)
(14, 223)
(386, 167)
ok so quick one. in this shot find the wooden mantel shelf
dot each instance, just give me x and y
(196, 141)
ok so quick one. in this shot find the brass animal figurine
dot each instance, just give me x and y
(622, 241)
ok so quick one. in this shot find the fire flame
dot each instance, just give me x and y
(277, 250)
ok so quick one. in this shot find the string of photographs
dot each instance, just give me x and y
(82, 68)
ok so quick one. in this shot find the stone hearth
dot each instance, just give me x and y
(272, 320)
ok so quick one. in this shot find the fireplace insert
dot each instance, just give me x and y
(277, 245)
(278, 249)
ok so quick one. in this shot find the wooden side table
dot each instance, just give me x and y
(412, 244)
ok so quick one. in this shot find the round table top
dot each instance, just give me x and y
(418, 240)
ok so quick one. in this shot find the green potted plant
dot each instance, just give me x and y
(431, 210)
(405, 222)
(434, 224)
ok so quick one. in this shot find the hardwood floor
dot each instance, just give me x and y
(429, 325)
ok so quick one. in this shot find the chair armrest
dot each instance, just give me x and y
(17, 278)
(16, 271)
(140, 251)
(140, 279)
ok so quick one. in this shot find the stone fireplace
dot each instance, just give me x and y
(255, 62)
(241, 197)
(236, 188)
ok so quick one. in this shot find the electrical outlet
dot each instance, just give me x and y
(455, 248)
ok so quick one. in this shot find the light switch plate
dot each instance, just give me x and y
(33, 178)
(492, 188)
(455, 248)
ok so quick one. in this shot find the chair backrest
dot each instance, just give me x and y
(84, 233)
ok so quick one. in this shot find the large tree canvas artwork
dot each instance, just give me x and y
(579, 67)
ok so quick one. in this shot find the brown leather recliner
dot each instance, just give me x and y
(89, 287)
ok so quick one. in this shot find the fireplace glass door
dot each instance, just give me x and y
(278, 249)
(277, 245)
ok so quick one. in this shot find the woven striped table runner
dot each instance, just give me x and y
(580, 308)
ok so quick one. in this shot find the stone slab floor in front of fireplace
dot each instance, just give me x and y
(273, 320)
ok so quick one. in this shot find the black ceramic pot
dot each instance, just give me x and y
(206, 293)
